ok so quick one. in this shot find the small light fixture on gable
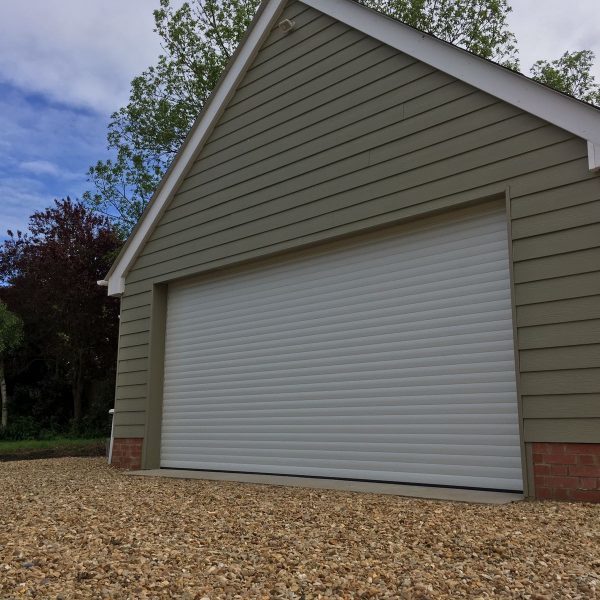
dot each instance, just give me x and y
(287, 25)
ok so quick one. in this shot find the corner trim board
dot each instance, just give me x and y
(594, 156)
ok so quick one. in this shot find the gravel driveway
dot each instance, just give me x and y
(75, 528)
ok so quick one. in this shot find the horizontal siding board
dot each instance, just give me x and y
(556, 220)
(133, 352)
(130, 301)
(583, 431)
(569, 357)
(534, 179)
(134, 314)
(560, 242)
(559, 288)
(459, 130)
(134, 339)
(131, 392)
(570, 185)
(562, 311)
(558, 265)
(131, 365)
(132, 378)
(574, 381)
(277, 81)
(132, 405)
(130, 431)
(565, 406)
(409, 171)
(559, 334)
(137, 326)
(449, 168)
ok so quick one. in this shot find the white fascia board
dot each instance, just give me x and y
(576, 117)
(193, 145)
(594, 156)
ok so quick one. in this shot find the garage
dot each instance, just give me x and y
(387, 357)
(375, 258)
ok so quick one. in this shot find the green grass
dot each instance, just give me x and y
(24, 449)
(12, 445)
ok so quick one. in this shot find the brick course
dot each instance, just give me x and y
(127, 453)
(567, 471)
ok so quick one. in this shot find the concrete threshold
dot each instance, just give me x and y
(395, 489)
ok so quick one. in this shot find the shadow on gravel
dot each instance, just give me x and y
(92, 449)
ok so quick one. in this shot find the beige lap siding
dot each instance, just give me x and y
(332, 133)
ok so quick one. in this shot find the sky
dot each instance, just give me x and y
(65, 66)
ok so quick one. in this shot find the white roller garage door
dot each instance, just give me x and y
(386, 357)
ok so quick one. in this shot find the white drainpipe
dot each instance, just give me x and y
(112, 435)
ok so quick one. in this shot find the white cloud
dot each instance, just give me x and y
(45, 167)
(45, 151)
(77, 52)
(19, 198)
(545, 30)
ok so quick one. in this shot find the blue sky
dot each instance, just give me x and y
(45, 150)
(65, 66)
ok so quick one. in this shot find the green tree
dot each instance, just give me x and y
(198, 39)
(571, 74)
(479, 26)
(11, 336)
(50, 274)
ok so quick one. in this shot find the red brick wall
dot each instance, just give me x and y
(567, 471)
(127, 453)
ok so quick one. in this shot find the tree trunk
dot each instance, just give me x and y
(3, 395)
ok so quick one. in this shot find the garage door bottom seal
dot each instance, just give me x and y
(350, 485)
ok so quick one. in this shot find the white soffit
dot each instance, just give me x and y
(579, 118)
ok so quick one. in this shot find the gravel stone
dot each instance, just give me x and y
(75, 528)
